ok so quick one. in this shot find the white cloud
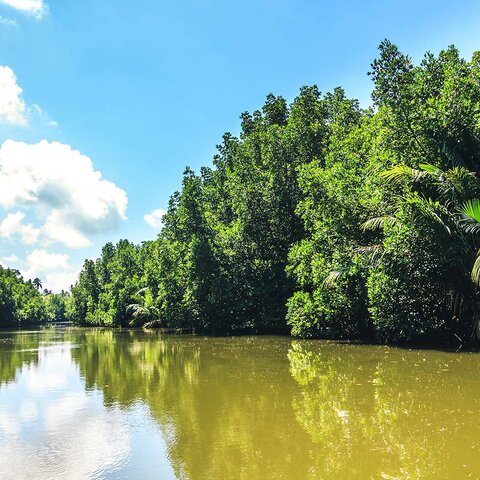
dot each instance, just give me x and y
(9, 259)
(13, 110)
(8, 22)
(43, 117)
(37, 8)
(12, 226)
(87, 437)
(57, 281)
(57, 229)
(154, 218)
(41, 261)
(68, 196)
(53, 268)
(12, 107)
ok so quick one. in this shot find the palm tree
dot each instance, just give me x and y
(470, 211)
(450, 200)
(37, 283)
(144, 312)
(450, 187)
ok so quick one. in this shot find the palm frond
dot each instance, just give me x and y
(471, 209)
(470, 226)
(137, 310)
(470, 212)
(476, 270)
(429, 208)
(379, 222)
(432, 170)
(396, 174)
(460, 174)
(374, 252)
(455, 182)
(331, 278)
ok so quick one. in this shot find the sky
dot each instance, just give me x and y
(104, 103)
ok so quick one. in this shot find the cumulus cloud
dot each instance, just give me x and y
(57, 229)
(12, 226)
(60, 184)
(37, 8)
(53, 268)
(13, 110)
(154, 218)
(41, 261)
(75, 435)
(57, 281)
(9, 259)
(12, 107)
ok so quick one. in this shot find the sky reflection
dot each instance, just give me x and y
(52, 428)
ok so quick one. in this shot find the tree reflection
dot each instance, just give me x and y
(375, 412)
(273, 408)
(20, 348)
(223, 405)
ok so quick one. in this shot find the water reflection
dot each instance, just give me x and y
(16, 349)
(51, 426)
(223, 405)
(125, 404)
(376, 412)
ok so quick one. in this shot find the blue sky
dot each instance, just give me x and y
(144, 88)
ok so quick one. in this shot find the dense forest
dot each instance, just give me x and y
(22, 303)
(322, 219)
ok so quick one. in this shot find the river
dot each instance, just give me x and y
(109, 404)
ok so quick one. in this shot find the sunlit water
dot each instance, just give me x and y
(78, 404)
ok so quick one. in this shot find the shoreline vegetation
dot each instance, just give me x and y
(321, 219)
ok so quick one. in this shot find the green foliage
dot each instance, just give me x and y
(20, 301)
(144, 312)
(57, 306)
(106, 287)
(408, 289)
(321, 218)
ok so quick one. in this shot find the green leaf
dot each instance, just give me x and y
(471, 209)
(331, 278)
(380, 222)
(476, 270)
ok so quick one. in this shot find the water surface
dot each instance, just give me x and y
(87, 403)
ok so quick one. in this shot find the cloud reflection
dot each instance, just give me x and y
(51, 427)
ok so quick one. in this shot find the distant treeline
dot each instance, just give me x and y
(23, 303)
(321, 219)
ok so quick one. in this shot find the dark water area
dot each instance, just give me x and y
(94, 404)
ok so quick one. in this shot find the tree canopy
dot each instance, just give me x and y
(322, 218)
(20, 301)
